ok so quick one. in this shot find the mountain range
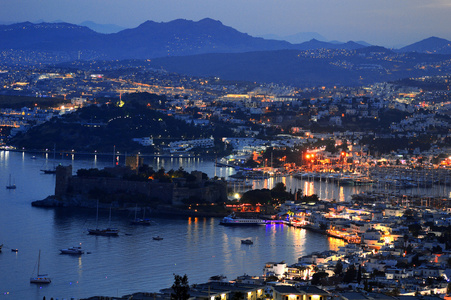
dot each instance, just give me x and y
(209, 48)
(175, 38)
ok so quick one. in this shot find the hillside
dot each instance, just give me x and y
(98, 129)
(433, 45)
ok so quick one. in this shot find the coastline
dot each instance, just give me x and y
(164, 211)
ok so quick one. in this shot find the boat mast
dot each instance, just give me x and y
(97, 215)
(109, 219)
(39, 261)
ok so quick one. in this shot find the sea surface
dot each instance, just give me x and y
(132, 262)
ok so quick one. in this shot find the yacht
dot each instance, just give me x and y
(72, 250)
(104, 231)
(232, 220)
(40, 278)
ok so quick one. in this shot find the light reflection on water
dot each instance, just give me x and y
(129, 263)
(135, 262)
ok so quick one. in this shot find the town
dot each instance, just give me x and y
(392, 136)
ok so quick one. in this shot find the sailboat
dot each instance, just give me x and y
(51, 170)
(40, 278)
(104, 231)
(140, 221)
(10, 186)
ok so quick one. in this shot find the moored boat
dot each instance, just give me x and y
(10, 185)
(76, 250)
(139, 221)
(247, 242)
(231, 220)
(157, 238)
(104, 231)
(40, 278)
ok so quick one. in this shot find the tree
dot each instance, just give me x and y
(350, 274)
(359, 274)
(316, 278)
(338, 268)
(180, 288)
(238, 296)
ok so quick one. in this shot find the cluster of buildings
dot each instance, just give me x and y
(381, 111)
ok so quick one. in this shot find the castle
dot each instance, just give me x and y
(148, 192)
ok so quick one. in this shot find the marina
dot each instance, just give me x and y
(198, 247)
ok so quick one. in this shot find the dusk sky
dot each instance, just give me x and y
(379, 22)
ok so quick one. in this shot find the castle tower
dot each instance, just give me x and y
(63, 175)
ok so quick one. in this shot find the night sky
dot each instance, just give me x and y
(391, 23)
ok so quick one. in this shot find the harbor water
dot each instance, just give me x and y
(133, 261)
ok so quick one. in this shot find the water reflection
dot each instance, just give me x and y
(334, 243)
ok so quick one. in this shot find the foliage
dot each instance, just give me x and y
(279, 193)
(100, 128)
(338, 268)
(350, 274)
(180, 288)
(254, 197)
(93, 172)
(238, 296)
(316, 278)
(276, 195)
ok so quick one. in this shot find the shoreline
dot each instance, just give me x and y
(65, 152)
(78, 202)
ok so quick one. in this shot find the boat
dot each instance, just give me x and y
(40, 278)
(247, 242)
(49, 171)
(217, 278)
(76, 250)
(1, 246)
(14, 250)
(140, 221)
(10, 186)
(232, 220)
(157, 238)
(103, 231)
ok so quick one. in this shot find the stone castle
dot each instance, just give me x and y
(168, 193)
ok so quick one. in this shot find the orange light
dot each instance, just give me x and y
(308, 156)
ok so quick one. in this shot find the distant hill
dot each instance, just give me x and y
(148, 40)
(47, 37)
(362, 66)
(315, 44)
(433, 45)
(102, 28)
(296, 38)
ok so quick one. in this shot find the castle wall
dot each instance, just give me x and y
(169, 193)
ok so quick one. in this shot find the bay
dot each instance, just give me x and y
(198, 247)
(134, 262)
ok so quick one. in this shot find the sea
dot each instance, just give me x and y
(133, 261)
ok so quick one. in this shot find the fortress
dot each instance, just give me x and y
(129, 192)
